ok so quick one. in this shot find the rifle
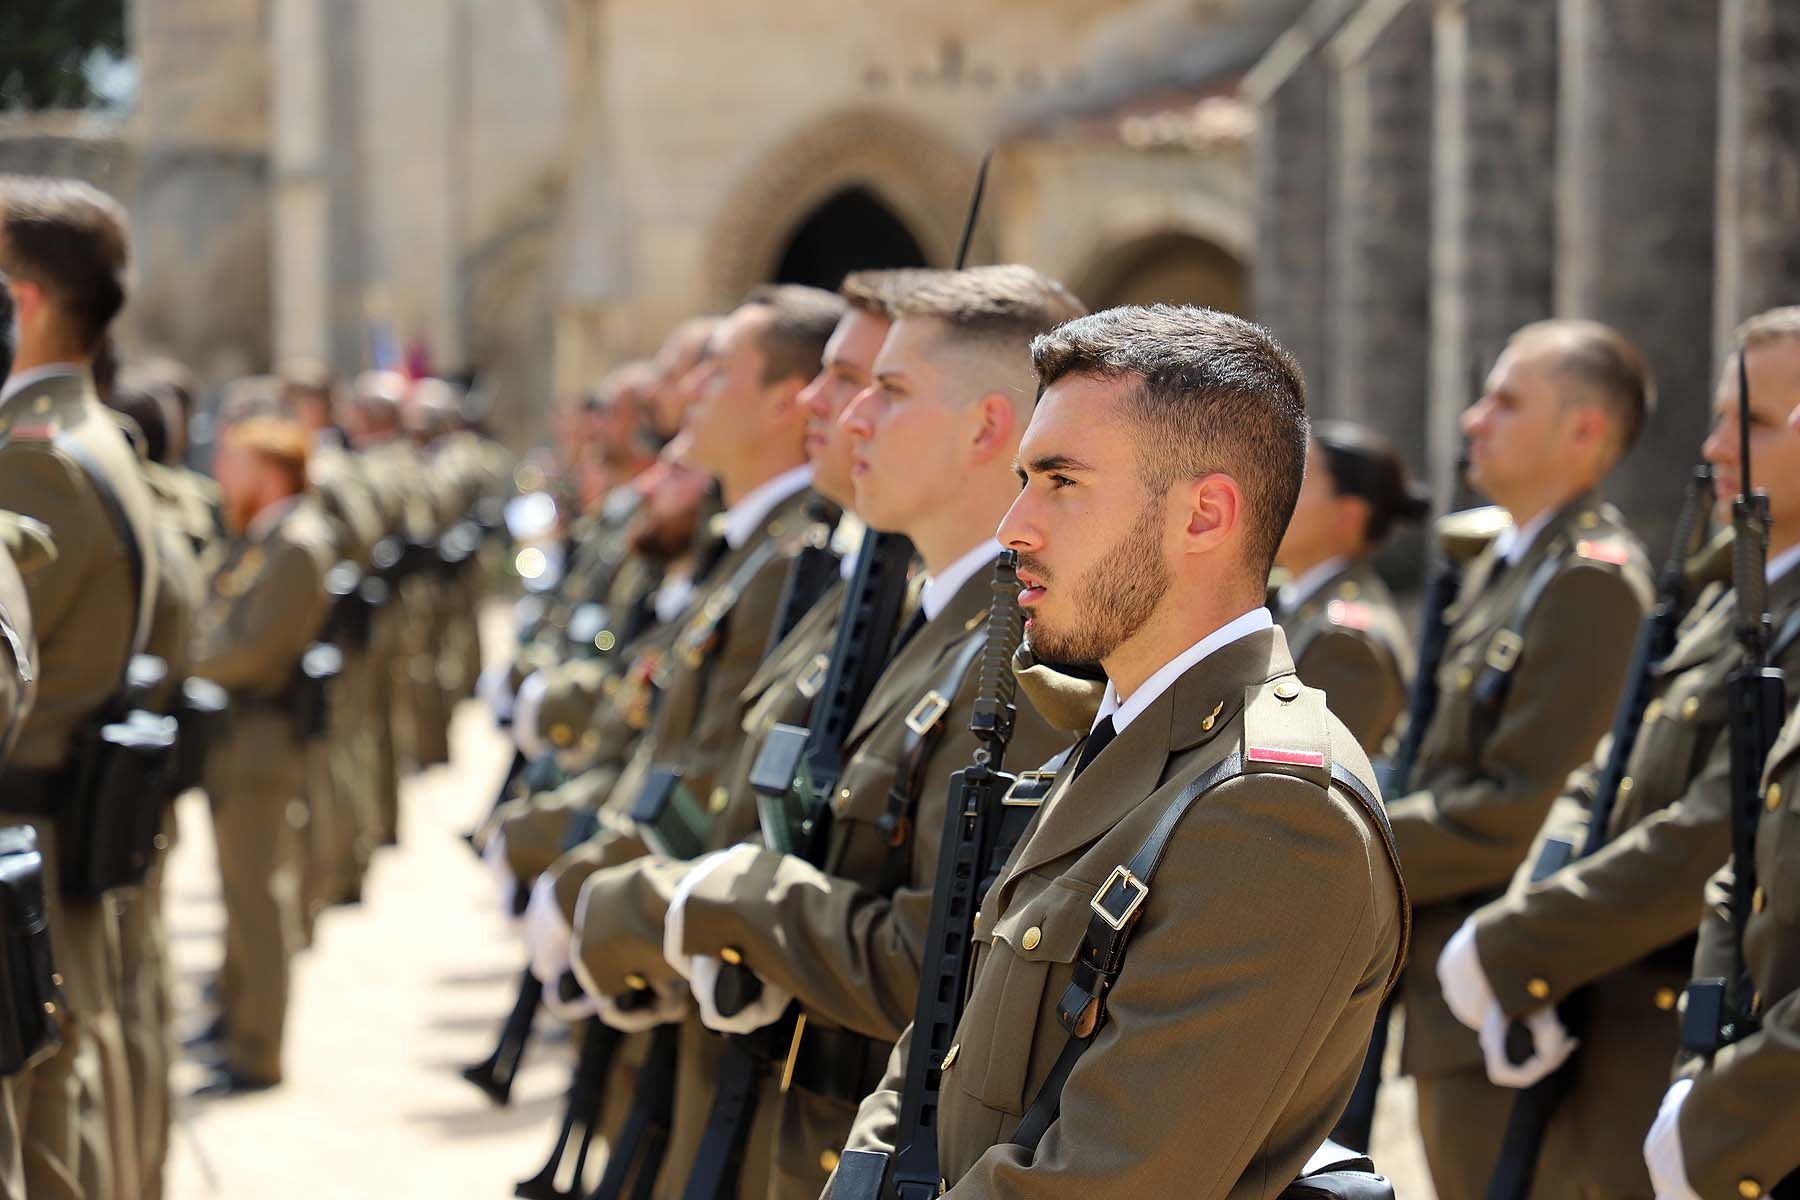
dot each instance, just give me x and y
(1718, 1011)
(1395, 777)
(1532, 1112)
(795, 777)
(810, 576)
(974, 848)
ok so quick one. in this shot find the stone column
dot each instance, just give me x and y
(1758, 244)
(1380, 212)
(1290, 162)
(1493, 232)
(1635, 203)
(300, 261)
(201, 205)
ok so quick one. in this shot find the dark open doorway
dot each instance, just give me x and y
(852, 231)
(1168, 268)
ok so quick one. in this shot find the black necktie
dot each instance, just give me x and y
(1098, 740)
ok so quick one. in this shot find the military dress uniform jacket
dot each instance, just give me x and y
(1348, 641)
(1740, 1127)
(266, 603)
(1486, 777)
(1266, 942)
(24, 546)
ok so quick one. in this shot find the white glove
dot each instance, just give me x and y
(494, 858)
(526, 706)
(669, 1002)
(548, 938)
(1551, 1043)
(702, 971)
(1662, 1148)
(703, 976)
(490, 687)
(571, 1011)
(1460, 975)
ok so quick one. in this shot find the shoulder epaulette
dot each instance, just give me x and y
(1464, 534)
(1286, 730)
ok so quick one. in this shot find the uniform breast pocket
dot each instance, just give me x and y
(1778, 844)
(1009, 1034)
(861, 837)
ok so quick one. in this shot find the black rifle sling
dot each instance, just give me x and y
(121, 523)
(921, 738)
(1507, 643)
(1082, 1009)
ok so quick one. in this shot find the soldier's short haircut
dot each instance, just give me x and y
(1607, 367)
(167, 373)
(70, 240)
(879, 293)
(377, 395)
(801, 321)
(1008, 303)
(278, 440)
(308, 375)
(1208, 393)
(1770, 326)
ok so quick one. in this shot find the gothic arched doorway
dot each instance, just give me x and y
(851, 231)
(1168, 268)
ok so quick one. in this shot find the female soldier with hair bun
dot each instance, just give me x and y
(1341, 623)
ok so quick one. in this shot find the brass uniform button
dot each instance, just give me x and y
(1653, 711)
(561, 734)
(636, 982)
(1032, 937)
(1589, 520)
(1772, 799)
(605, 640)
(950, 1057)
(1759, 899)
(732, 955)
(56, 978)
(1665, 999)
(1689, 707)
(1625, 785)
(1538, 987)
(828, 1159)
(1287, 689)
(1749, 1189)
(1464, 677)
(719, 798)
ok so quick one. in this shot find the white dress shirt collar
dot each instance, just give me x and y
(742, 518)
(263, 523)
(936, 592)
(1515, 540)
(1298, 591)
(1124, 713)
(18, 381)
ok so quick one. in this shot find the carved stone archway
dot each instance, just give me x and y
(1167, 267)
(919, 176)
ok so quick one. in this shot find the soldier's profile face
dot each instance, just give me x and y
(1516, 428)
(1773, 370)
(846, 369)
(1091, 540)
(907, 430)
(729, 384)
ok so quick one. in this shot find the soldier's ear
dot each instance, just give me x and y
(996, 428)
(1214, 511)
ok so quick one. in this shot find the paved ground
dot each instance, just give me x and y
(394, 996)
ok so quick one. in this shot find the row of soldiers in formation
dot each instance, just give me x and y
(771, 994)
(290, 634)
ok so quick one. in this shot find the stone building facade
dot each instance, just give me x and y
(1431, 174)
(535, 189)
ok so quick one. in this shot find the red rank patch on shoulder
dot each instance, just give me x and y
(1606, 552)
(34, 433)
(1289, 758)
(1352, 614)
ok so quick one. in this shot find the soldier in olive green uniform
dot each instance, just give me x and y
(1729, 1128)
(266, 604)
(146, 996)
(1540, 636)
(62, 252)
(24, 545)
(1266, 921)
(1620, 923)
(1342, 628)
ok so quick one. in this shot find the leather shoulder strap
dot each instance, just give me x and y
(115, 514)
